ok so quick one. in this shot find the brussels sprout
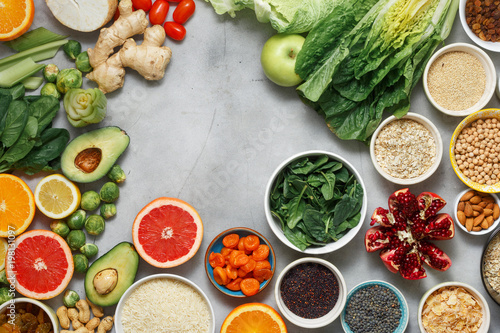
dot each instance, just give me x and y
(50, 89)
(70, 298)
(3, 278)
(82, 62)
(76, 239)
(6, 295)
(109, 192)
(90, 200)
(95, 224)
(68, 78)
(116, 174)
(60, 227)
(50, 72)
(81, 263)
(85, 107)
(108, 210)
(77, 220)
(89, 250)
(72, 48)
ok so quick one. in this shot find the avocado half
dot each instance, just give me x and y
(90, 156)
(123, 260)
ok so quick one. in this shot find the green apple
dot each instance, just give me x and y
(278, 58)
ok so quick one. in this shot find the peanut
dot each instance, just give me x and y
(96, 310)
(73, 316)
(62, 314)
(93, 323)
(83, 311)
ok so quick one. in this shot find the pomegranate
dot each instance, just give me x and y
(403, 232)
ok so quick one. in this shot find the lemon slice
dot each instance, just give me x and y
(56, 196)
(3, 251)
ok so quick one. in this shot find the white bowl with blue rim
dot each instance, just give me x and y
(403, 305)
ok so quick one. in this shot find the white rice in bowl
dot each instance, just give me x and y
(165, 305)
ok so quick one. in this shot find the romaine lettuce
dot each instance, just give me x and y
(366, 57)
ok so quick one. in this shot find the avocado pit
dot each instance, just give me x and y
(105, 281)
(88, 159)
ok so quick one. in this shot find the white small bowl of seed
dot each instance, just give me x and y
(406, 150)
(477, 213)
(459, 79)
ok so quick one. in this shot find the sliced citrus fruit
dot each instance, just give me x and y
(17, 205)
(253, 318)
(167, 232)
(20, 14)
(3, 251)
(56, 196)
(42, 264)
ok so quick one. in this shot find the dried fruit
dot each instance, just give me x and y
(403, 232)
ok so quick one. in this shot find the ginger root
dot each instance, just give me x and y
(150, 58)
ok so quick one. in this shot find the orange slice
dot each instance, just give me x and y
(253, 318)
(16, 18)
(17, 205)
(42, 264)
(167, 232)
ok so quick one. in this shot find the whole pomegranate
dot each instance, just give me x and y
(404, 230)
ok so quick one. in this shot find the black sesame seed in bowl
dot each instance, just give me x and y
(375, 307)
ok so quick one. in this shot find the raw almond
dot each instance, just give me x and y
(489, 199)
(488, 212)
(496, 212)
(489, 205)
(490, 221)
(461, 217)
(485, 224)
(467, 195)
(461, 206)
(469, 223)
(483, 204)
(468, 209)
(475, 200)
(475, 213)
(477, 228)
(478, 220)
(477, 208)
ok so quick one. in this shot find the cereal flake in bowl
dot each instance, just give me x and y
(475, 151)
(490, 269)
(453, 307)
(459, 79)
(406, 151)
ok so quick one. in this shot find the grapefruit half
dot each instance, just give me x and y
(41, 266)
(167, 232)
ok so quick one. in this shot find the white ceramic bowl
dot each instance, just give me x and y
(491, 46)
(482, 114)
(489, 69)
(437, 139)
(132, 288)
(479, 298)
(475, 233)
(321, 321)
(403, 323)
(275, 224)
(7, 306)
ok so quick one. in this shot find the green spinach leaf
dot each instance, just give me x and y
(14, 122)
(24, 144)
(44, 109)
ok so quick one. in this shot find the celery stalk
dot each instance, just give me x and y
(18, 72)
(33, 39)
(42, 52)
(32, 82)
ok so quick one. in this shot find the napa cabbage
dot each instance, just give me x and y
(366, 56)
(285, 16)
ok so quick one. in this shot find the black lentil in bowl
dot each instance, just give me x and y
(375, 307)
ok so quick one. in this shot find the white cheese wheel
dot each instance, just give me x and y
(83, 15)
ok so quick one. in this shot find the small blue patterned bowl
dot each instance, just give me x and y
(403, 322)
(216, 246)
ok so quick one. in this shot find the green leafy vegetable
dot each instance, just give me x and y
(317, 201)
(85, 107)
(365, 57)
(18, 72)
(33, 38)
(285, 16)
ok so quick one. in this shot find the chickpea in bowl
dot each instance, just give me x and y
(475, 151)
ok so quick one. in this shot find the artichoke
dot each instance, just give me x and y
(85, 107)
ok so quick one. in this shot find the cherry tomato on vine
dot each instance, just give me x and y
(158, 12)
(145, 5)
(175, 30)
(184, 11)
